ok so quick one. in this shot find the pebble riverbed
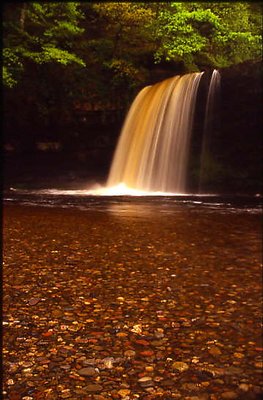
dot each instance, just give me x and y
(101, 305)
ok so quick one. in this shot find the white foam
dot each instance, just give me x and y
(123, 190)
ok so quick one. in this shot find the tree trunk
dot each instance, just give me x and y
(23, 16)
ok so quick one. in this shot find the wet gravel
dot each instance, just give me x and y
(108, 305)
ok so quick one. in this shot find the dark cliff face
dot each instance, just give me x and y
(235, 160)
(239, 141)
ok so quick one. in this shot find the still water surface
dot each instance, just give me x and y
(135, 205)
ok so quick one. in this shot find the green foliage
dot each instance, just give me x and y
(115, 43)
(50, 53)
(126, 26)
(11, 67)
(221, 34)
(123, 73)
(121, 37)
(40, 33)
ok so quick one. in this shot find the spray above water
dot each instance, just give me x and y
(152, 152)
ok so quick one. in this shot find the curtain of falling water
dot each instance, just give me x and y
(209, 126)
(152, 151)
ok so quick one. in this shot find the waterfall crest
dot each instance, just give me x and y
(153, 148)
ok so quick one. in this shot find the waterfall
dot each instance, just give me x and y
(153, 148)
(209, 127)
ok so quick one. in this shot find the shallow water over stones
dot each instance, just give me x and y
(163, 307)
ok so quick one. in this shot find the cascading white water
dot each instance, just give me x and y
(152, 152)
(210, 113)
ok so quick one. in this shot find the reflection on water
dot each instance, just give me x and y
(135, 210)
(134, 205)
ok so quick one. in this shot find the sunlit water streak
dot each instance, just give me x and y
(153, 148)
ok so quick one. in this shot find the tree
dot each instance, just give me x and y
(212, 34)
(40, 33)
(119, 45)
(117, 41)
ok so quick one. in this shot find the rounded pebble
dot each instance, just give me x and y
(180, 366)
(229, 395)
(87, 371)
(93, 388)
